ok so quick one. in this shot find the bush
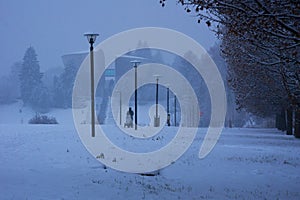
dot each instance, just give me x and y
(42, 119)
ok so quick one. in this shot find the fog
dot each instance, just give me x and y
(55, 28)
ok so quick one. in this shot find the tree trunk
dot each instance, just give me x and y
(289, 121)
(297, 123)
(277, 121)
(281, 121)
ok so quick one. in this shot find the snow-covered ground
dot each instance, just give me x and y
(50, 162)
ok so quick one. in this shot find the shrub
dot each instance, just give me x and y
(42, 119)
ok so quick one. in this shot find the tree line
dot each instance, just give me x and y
(260, 43)
(25, 82)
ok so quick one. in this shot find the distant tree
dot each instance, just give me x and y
(14, 78)
(196, 81)
(63, 85)
(10, 85)
(7, 94)
(30, 79)
(49, 74)
(234, 117)
(41, 99)
(58, 93)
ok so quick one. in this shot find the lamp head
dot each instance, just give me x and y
(91, 37)
(135, 62)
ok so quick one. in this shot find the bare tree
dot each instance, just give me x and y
(261, 42)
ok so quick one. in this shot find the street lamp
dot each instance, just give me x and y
(91, 37)
(135, 64)
(175, 110)
(120, 105)
(156, 118)
(168, 106)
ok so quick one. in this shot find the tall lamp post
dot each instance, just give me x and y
(91, 39)
(175, 110)
(168, 106)
(135, 64)
(156, 118)
(120, 106)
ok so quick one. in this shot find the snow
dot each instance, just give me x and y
(50, 162)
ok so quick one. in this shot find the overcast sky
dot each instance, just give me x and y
(56, 27)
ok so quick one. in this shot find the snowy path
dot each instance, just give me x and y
(49, 162)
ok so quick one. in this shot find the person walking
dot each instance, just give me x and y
(129, 118)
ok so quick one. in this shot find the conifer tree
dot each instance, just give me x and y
(30, 77)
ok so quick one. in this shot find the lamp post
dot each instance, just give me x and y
(120, 106)
(156, 118)
(168, 106)
(175, 110)
(91, 37)
(135, 64)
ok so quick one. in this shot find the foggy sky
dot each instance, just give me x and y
(56, 27)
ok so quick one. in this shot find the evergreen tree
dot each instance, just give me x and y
(58, 94)
(30, 77)
(40, 100)
(14, 78)
(10, 85)
(67, 80)
(6, 90)
(63, 85)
